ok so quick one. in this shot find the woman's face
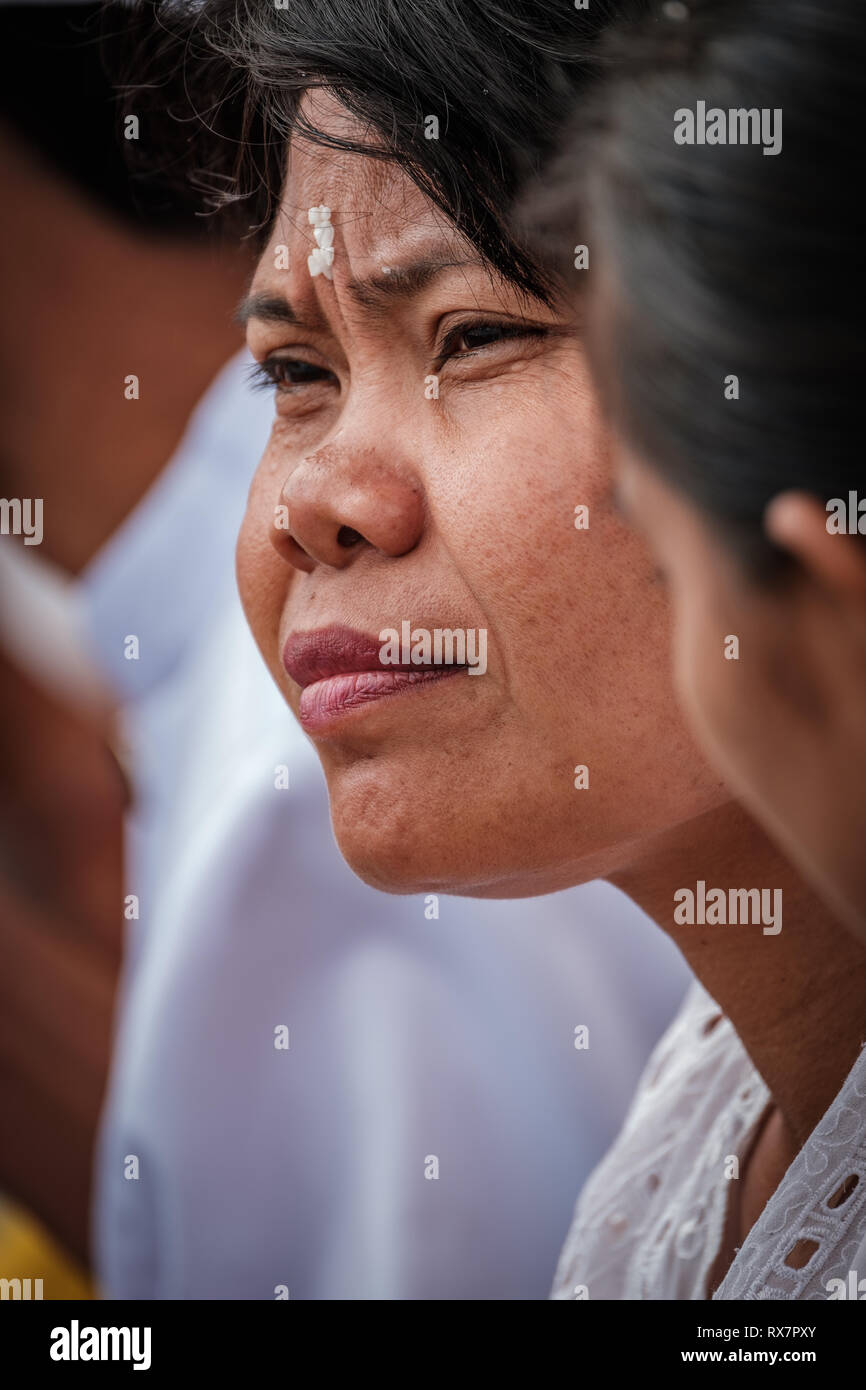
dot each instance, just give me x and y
(434, 433)
(771, 676)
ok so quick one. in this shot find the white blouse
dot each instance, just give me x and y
(649, 1222)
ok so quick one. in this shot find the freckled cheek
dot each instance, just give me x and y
(262, 576)
(508, 517)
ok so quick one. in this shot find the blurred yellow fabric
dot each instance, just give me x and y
(27, 1251)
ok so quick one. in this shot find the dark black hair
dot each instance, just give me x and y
(57, 98)
(717, 260)
(500, 76)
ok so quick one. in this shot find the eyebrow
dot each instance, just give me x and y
(269, 308)
(371, 292)
(401, 282)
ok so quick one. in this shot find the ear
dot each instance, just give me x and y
(797, 522)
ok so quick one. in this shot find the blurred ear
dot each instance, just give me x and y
(797, 522)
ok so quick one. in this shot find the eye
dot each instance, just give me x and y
(465, 339)
(288, 374)
(482, 334)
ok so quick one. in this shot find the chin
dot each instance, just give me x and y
(380, 868)
(438, 841)
(400, 845)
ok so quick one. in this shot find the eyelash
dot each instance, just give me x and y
(509, 330)
(268, 374)
(264, 376)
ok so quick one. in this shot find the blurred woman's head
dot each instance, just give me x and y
(437, 459)
(715, 183)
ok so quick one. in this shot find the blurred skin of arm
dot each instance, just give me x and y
(124, 302)
(62, 798)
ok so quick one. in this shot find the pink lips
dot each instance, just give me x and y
(339, 670)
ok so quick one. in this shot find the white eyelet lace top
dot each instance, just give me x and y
(649, 1221)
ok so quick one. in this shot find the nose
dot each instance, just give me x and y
(344, 500)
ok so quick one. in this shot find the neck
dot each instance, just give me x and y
(88, 304)
(796, 999)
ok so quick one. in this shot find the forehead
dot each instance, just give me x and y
(378, 212)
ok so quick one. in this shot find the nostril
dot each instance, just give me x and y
(347, 537)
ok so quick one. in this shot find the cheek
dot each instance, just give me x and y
(262, 576)
(565, 586)
(527, 463)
